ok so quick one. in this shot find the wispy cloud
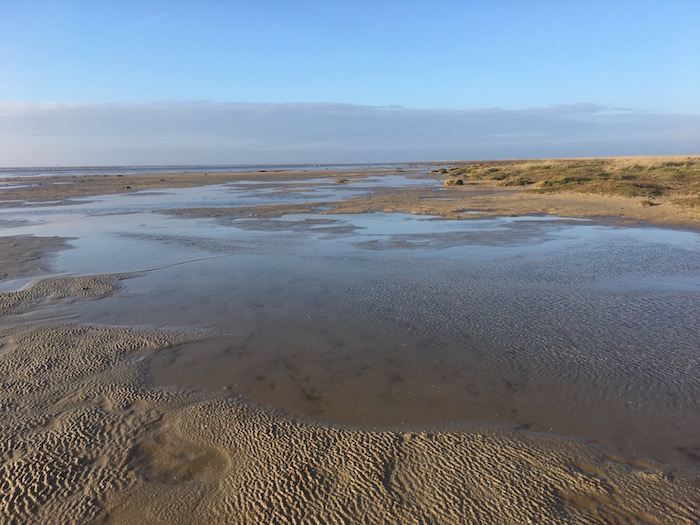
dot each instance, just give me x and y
(237, 133)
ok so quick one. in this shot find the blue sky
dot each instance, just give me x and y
(438, 59)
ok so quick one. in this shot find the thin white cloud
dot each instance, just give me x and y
(238, 133)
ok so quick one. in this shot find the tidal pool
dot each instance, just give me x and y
(393, 320)
(572, 329)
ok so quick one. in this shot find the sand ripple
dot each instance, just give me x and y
(60, 288)
(82, 441)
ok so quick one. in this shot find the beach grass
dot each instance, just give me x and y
(677, 177)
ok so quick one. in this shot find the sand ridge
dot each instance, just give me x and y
(475, 200)
(82, 440)
(56, 289)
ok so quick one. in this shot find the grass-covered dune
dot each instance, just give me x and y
(676, 178)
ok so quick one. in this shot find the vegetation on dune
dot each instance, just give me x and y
(692, 203)
(513, 180)
(647, 177)
(561, 181)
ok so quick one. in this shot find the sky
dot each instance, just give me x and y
(235, 82)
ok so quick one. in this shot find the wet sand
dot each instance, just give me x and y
(482, 196)
(86, 439)
(26, 255)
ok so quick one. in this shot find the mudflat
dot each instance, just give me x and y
(650, 190)
(86, 437)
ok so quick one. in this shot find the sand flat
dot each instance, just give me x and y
(84, 439)
(483, 196)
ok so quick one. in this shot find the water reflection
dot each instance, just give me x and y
(381, 320)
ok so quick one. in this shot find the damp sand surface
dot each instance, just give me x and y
(320, 367)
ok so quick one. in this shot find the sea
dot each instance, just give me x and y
(84, 171)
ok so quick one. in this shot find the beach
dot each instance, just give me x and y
(368, 335)
(486, 196)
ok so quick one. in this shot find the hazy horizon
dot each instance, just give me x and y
(201, 133)
(143, 83)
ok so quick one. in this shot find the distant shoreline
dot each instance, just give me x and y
(661, 191)
(68, 171)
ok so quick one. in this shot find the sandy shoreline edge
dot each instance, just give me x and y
(485, 197)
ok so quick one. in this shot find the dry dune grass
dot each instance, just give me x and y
(674, 177)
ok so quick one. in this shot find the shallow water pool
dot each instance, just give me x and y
(383, 320)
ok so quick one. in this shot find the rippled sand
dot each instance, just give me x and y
(83, 440)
